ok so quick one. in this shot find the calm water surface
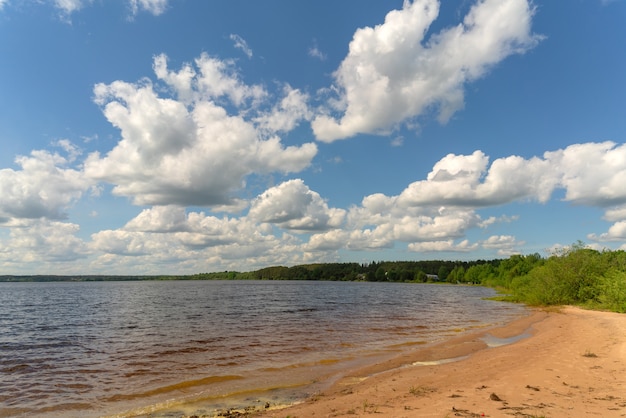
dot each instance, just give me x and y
(155, 348)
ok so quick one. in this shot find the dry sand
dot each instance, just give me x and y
(572, 363)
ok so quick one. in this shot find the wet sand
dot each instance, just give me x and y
(565, 363)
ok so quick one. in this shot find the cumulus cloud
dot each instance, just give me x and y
(42, 243)
(287, 113)
(615, 214)
(44, 187)
(506, 245)
(393, 74)
(191, 241)
(466, 180)
(127, 243)
(290, 223)
(617, 232)
(435, 213)
(210, 79)
(355, 240)
(592, 173)
(292, 205)
(380, 222)
(189, 150)
(159, 219)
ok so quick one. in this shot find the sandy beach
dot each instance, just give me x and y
(562, 363)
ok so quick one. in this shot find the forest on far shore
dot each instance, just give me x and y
(574, 276)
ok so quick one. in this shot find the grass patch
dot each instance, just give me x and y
(421, 390)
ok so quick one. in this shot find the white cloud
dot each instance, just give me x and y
(43, 244)
(380, 222)
(315, 52)
(287, 113)
(128, 243)
(592, 173)
(189, 151)
(159, 219)
(328, 241)
(172, 238)
(616, 214)
(210, 79)
(442, 246)
(392, 74)
(218, 78)
(45, 186)
(292, 205)
(70, 6)
(501, 219)
(355, 240)
(434, 213)
(155, 7)
(464, 180)
(240, 43)
(506, 245)
(617, 232)
(432, 228)
(398, 141)
(164, 236)
(70, 149)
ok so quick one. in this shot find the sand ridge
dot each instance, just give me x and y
(572, 363)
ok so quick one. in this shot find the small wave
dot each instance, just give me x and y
(172, 388)
(492, 341)
(409, 344)
(438, 362)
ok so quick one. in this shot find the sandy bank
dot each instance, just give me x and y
(572, 364)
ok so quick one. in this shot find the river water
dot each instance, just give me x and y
(169, 348)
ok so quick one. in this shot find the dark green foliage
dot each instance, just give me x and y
(613, 291)
(443, 272)
(420, 277)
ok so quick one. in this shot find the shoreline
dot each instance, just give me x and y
(565, 363)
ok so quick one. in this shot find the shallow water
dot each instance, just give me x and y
(163, 348)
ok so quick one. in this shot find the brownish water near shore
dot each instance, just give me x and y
(173, 348)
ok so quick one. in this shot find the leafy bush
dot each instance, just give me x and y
(576, 276)
(613, 295)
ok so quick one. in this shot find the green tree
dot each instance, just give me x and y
(420, 277)
(443, 272)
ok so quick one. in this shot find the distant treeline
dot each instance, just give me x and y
(577, 275)
(85, 278)
(388, 271)
(385, 271)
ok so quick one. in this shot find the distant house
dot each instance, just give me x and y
(433, 278)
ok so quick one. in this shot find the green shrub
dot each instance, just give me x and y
(575, 276)
(613, 291)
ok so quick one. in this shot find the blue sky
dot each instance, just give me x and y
(175, 137)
